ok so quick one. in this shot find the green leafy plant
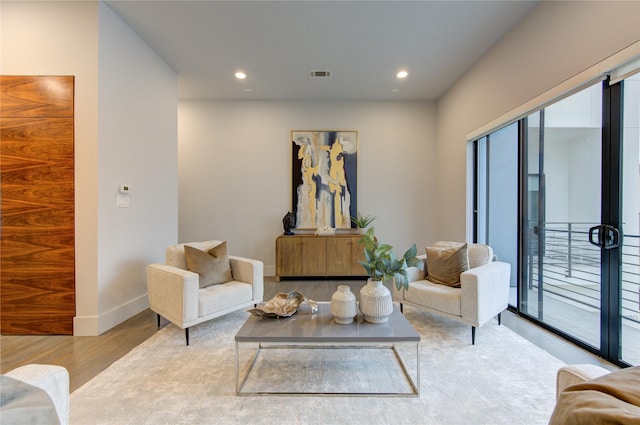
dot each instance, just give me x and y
(382, 264)
(362, 222)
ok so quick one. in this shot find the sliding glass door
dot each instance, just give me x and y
(496, 200)
(562, 270)
(558, 196)
(629, 309)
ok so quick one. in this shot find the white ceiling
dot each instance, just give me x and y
(277, 43)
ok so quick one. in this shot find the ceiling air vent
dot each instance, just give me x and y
(320, 74)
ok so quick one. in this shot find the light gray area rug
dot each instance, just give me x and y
(503, 379)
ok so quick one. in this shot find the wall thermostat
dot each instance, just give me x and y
(124, 188)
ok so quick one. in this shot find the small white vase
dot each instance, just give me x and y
(375, 302)
(343, 305)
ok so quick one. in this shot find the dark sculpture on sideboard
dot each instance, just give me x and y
(289, 222)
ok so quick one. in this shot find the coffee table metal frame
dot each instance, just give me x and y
(319, 331)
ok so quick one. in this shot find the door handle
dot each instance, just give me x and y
(591, 232)
(608, 236)
(611, 237)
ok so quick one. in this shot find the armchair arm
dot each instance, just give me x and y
(166, 285)
(485, 291)
(249, 271)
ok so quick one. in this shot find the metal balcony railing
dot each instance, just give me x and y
(570, 266)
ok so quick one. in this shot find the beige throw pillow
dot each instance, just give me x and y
(212, 266)
(444, 265)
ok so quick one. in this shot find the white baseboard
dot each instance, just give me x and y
(96, 325)
(269, 270)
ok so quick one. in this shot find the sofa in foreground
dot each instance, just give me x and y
(589, 394)
(35, 394)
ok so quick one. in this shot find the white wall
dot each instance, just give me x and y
(556, 41)
(137, 130)
(125, 132)
(235, 169)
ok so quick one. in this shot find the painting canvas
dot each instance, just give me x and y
(324, 178)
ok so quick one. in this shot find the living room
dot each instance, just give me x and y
(44, 39)
(220, 169)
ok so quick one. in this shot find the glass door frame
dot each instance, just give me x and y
(611, 261)
(611, 208)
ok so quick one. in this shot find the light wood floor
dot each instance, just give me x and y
(83, 356)
(87, 356)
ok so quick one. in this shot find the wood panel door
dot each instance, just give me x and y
(37, 274)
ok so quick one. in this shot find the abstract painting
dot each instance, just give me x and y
(324, 178)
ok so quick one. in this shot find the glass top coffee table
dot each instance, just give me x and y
(310, 354)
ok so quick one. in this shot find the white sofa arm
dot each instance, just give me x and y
(167, 284)
(249, 271)
(485, 291)
(577, 374)
(54, 380)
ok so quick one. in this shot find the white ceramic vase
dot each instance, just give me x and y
(343, 305)
(375, 302)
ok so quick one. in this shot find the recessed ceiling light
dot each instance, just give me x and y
(240, 75)
(402, 74)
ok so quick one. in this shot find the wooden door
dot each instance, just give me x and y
(37, 274)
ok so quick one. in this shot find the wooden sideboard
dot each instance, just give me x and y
(321, 256)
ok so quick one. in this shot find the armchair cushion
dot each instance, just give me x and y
(436, 296)
(479, 254)
(223, 297)
(212, 265)
(444, 265)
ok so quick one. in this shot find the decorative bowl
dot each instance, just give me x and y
(283, 305)
(325, 231)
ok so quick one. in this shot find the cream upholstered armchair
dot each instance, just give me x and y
(200, 282)
(473, 297)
